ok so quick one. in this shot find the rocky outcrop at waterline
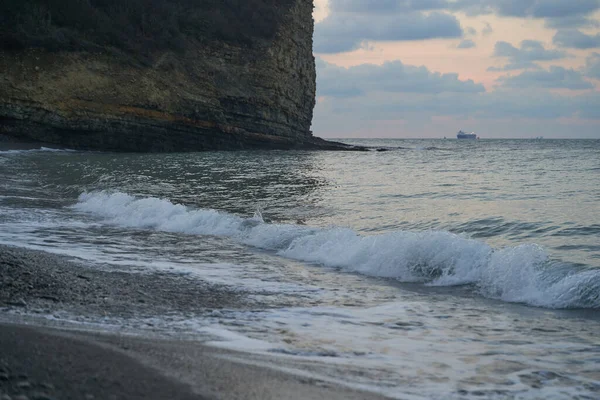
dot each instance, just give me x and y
(158, 75)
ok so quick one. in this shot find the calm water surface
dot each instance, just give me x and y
(437, 269)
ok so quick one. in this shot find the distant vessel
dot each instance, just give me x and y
(463, 135)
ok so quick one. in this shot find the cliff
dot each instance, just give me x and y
(158, 75)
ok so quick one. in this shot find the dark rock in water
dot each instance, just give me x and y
(158, 75)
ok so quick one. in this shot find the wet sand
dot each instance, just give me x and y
(45, 362)
(41, 283)
(42, 363)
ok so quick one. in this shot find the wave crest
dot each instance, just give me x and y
(521, 274)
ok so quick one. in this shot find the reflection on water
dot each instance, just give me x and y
(287, 183)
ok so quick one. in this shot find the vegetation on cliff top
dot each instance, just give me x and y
(135, 27)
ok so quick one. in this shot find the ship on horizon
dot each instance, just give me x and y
(464, 135)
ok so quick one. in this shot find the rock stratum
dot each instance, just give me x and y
(158, 75)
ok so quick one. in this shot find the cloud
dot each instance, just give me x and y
(500, 104)
(466, 44)
(592, 66)
(530, 50)
(515, 66)
(342, 32)
(557, 13)
(573, 21)
(352, 23)
(506, 8)
(574, 38)
(551, 9)
(391, 77)
(538, 104)
(385, 6)
(524, 57)
(546, 8)
(554, 78)
(487, 30)
(396, 91)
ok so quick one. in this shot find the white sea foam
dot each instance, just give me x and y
(41, 149)
(515, 274)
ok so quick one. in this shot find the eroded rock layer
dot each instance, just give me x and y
(158, 75)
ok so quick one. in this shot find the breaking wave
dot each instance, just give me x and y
(522, 274)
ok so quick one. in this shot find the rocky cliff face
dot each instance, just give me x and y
(228, 76)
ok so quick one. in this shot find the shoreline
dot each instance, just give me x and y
(8, 142)
(43, 283)
(43, 358)
(44, 363)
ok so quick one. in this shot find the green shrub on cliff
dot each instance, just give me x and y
(136, 27)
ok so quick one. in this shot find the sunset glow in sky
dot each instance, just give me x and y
(427, 68)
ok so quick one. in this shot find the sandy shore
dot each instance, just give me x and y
(41, 283)
(42, 363)
(47, 362)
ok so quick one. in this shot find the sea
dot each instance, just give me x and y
(421, 269)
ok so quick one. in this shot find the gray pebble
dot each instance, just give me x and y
(20, 397)
(24, 385)
(5, 397)
(3, 376)
(41, 396)
(83, 291)
(17, 303)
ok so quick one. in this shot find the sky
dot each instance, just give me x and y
(427, 68)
